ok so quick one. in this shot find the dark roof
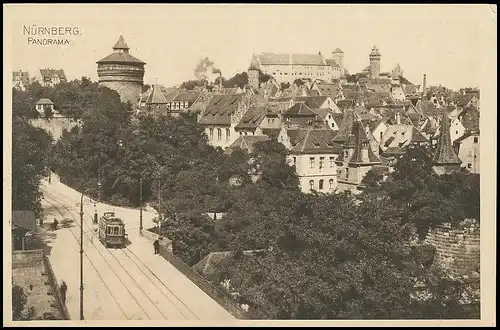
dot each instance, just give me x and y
(300, 109)
(252, 118)
(416, 136)
(23, 76)
(120, 44)
(329, 89)
(187, 96)
(371, 123)
(51, 73)
(271, 132)
(445, 153)
(246, 142)
(463, 100)
(359, 140)
(345, 104)
(332, 63)
(470, 120)
(44, 101)
(120, 56)
(219, 109)
(313, 102)
(156, 96)
(24, 219)
(307, 141)
(345, 128)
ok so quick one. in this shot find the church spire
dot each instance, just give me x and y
(445, 159)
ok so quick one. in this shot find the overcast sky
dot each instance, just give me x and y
(442, 41)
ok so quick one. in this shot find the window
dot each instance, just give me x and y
(381, 133)
(228, 134)
(109, 230)
(346, 153)
(469, 165)
(219, 134)
(347, 173)
(476, 139)
(330, 184)
(115, 230)
(456, 132)
(294, 160)
(321, 184)
(211, 137)
(311, 162)
(311, 185)
(321, 160)
(332, 161)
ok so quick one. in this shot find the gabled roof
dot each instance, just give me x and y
(330, 89)
(300, 110)
(156, 96)
(371, 123)
(252, 118)
(332, 63)
(48, 74)
(359, 140)
(345, 128)
(246, 142)
(311, 141)
(44, 102)
(400, 136)
(219, 109)
(24, 219)
(187, 96)
(313, 102)
(463, 100)
(445, 154)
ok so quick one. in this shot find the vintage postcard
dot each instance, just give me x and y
(239, 164)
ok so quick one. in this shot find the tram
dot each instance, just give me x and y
(112, 230)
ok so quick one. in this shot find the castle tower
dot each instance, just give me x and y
(253, 73)
(445, 159)
(375, 63)
(338, 56)
(122, 72)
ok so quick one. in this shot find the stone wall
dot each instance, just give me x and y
(457, 250)
(129, 91)
(55, 126)
(32, 271)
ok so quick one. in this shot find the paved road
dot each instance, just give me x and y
(119, 284)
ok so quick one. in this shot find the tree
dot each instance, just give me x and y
(30, 160)
(298, 82)
(191, 84)
(264, 77)
(19, 300)
(284, 86)
(48, 113)
(238, 80)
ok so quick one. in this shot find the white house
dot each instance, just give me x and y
(313, 154)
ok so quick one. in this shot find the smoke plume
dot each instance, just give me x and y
(205, 70)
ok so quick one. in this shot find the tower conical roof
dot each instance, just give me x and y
(120, 44)
(345, 128)
(156, 96)
(445, 153)
(254, 65)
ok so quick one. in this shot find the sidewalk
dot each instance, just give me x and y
(196, 300)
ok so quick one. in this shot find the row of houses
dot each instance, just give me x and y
(333, 147)
(45, 77)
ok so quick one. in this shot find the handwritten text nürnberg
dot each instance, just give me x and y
(49, 35)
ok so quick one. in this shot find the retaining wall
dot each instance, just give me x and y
(458, 249)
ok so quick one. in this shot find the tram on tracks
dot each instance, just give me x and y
(112, 230)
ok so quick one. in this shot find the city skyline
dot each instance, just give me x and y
(423, 40)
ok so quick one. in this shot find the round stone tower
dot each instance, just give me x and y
(375, 63)
(122, 72)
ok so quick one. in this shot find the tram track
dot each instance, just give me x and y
(107, 262)
(140, 266)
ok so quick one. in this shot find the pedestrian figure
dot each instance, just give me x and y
(156, 245)
(55, 223)
(41, 222)
(64, 288)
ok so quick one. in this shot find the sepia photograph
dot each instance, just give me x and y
(238, 164)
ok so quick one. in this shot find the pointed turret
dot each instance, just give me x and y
(345, 126)
(445, 159)
(156, 97)
(121, 45)
(254, 64)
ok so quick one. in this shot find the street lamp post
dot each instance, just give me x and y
(140, 210)
(81, 258)
(159, 207)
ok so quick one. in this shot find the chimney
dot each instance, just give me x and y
(424, 85)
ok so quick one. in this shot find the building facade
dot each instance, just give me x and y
(313, 155)
(49, 77)
(122, 72)
(467, 148)
(20, 80)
